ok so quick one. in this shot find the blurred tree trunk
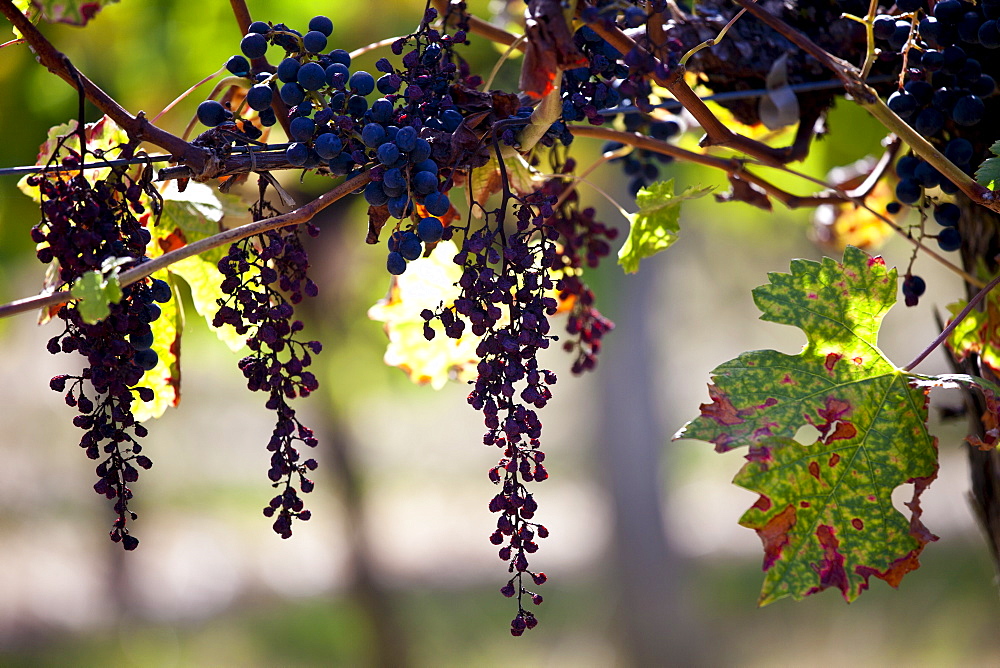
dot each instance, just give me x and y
(981, 244)
(654, 622)
(327, 313)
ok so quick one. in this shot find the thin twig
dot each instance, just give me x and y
(711, 42)
(242, 14)
(137, 273)
(183, 95)
(482, 28)
(946, 332)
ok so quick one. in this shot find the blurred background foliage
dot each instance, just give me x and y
(646, 563)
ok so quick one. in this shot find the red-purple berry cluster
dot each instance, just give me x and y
(82, 226)
(258, 273)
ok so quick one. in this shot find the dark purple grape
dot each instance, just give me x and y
(302, 129)
(395, 264)
(908, 191)
(968, 110)
(388, 153)
(259, 97)
(362, 83)
(410, 247)
(292, 94)
(947, 214)
(328, 145)
(948, 11)
(259, 27)
(314, 41)
(253, 45)
(959, 151)
(902, 104)
(913, 288)
(388, 84)
(239, 66)
(989, 35)
(374, 194)
(337, 75)
(949, 239)
(424, 183)
(340, 56)
(212, 113)
(430, 229)
(288, 70)
(437, 204)
(297, 154)
(394, 178)
(892, 208)
(357, 106)
(399, 206)
(321, 24)
(141, 341)
(406, 139)
(146, 358)
(160, 291)
(421, 152)
(311, 76)
(373, 135)
(382, 111)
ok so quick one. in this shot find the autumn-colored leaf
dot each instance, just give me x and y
(74, 12)
(825, 513)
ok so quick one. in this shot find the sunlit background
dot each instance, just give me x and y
(646, 562)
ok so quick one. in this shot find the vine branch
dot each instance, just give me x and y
(137, 273)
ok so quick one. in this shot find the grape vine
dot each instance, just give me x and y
(446, 161)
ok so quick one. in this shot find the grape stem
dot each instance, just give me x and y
(711, 42)
(946, 332)
(139, 272)
(736, 168)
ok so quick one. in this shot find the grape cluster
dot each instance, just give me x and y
(584, 241)
(642, 166)
(949, 55)
(259, 272)
(510, 273)
(82, 227)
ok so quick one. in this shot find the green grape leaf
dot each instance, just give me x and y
(23, 6)
(165, 378)
(74, 12)
(655, 226)
(195, 214)
(825, 513)
(988, 173)
(428, 282)
(96, 292)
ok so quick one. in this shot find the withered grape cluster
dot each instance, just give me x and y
(259, 272)
(83, 226)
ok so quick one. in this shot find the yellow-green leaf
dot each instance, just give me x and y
(195, 214)
(102, 136)
(165, 378)
(655, 226)
(426, 283)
